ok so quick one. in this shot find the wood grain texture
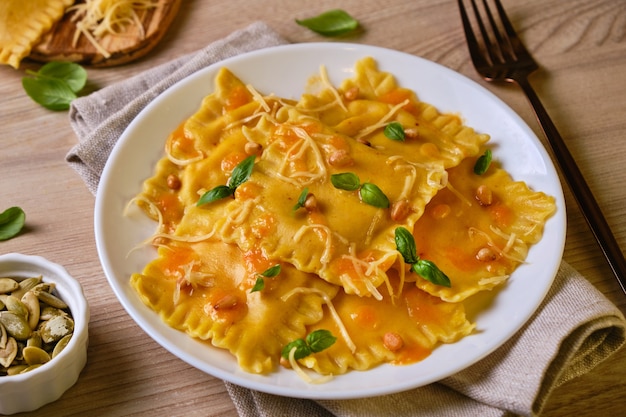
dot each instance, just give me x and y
(581, 46)
(126, 46)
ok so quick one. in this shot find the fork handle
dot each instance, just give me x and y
(581, 191)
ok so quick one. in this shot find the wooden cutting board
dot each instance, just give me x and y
(57, 45)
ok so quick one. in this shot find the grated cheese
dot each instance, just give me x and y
(258, 98)
(178, 161)
(303, 375)
(342, 328)
(96, 18)
(382, 122)
(333, 90)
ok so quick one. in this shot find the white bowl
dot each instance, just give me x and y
(31, 390)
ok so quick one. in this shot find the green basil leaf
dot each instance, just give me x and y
(302, 349)
(11, 222)
(405, 243)
(319, 340)
(330, 23)
(482, 163)
(73, 74)
(217, 193)
(394, 131)
(301, 198)
(346, 181)
(242, 172)
(372, 195)
(51, 93)
(429, 271)
(272, 271)
(258, 285)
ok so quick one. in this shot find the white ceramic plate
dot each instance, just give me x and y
(284, 71)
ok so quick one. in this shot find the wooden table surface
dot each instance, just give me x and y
(581, 45)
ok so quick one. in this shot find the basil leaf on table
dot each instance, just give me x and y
(55, 85)
(11, 222)
(73, 74)
(331, 23)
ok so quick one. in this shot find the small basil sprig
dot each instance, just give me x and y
(369, 193)
(55, 85)
(270, 272)
(11, 222)
(482, 163)
(405, 243)
(301, 199)
(395, 131)
(314, 342)
(240, 174)
(330, 23)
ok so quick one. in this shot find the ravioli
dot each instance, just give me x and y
(415, 321)
(203, 289)
(340, 268)
(480, 243)
(23, 23)
(347, 243)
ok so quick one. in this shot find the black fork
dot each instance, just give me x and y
(498, 54)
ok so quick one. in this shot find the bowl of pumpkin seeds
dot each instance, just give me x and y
(44, 318)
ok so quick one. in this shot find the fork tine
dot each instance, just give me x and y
(517, 48)
(478, 59)
(491, 49)
(501, 44)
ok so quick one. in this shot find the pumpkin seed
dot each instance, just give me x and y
(35, 356)
(35, 339)
(3, 336)
(8, 285)
(50, 299)
(61, 344)
(47, 312)
(16, 369)
(31, 367)
(8, 354)
(31, 302)
(12, 303)
(26, 284)
(54, 329)
(15, 325)
(35, 324)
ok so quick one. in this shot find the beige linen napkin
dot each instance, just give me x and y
(575, 328)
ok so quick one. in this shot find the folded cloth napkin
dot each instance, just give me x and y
(574, 329)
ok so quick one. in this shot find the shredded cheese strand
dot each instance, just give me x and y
(458, 194)
(333, 90)
(382, 122)
(342, 328)
(178, 161)
(303, 375)
(258, 98)
(298, 150)
(96, 18)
